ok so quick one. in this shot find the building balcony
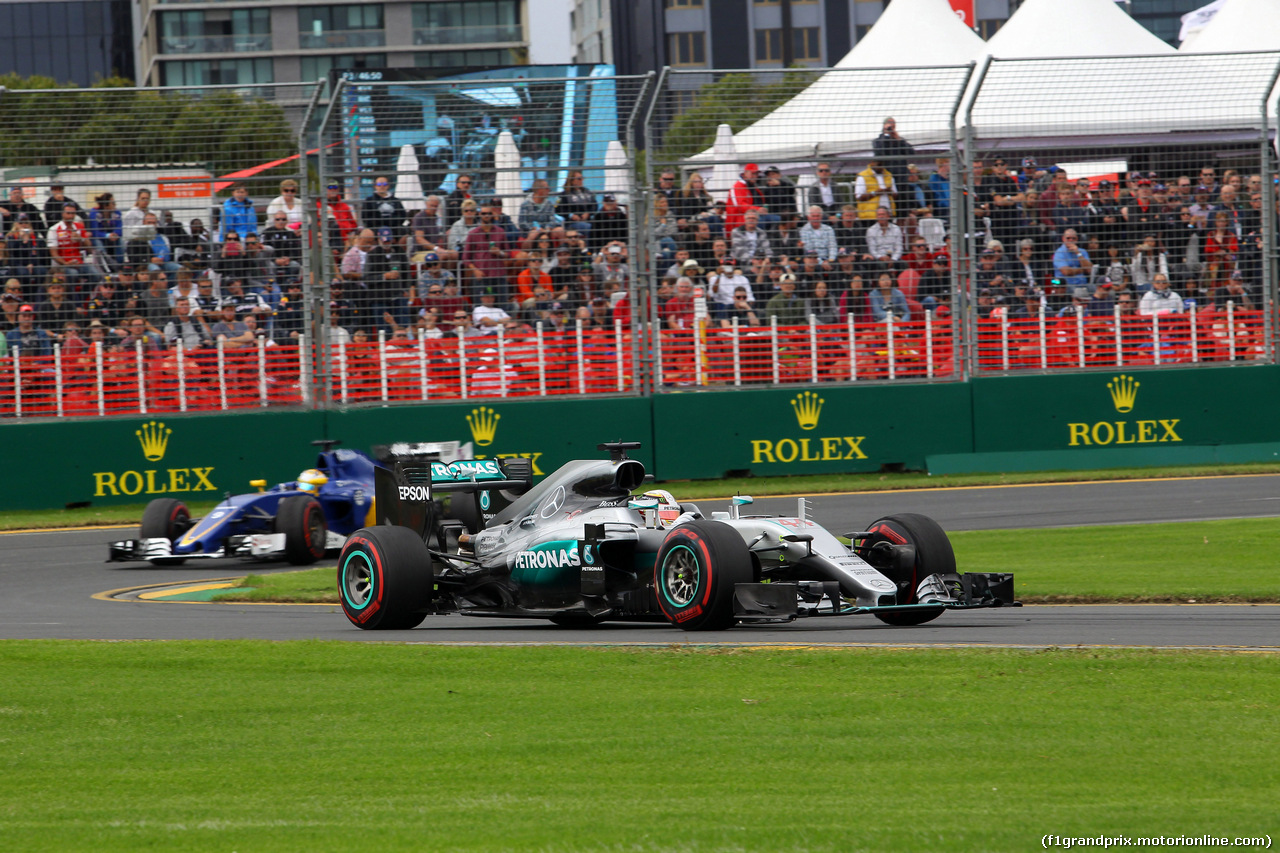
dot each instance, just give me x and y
(468, 35)
(342, 39)
(215, 44)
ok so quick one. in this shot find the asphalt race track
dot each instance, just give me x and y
(51, 580)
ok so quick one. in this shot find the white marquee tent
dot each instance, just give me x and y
(843, 111)
(1239, 25)
(1077, 28)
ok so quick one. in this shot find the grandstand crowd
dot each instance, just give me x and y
(869, 243)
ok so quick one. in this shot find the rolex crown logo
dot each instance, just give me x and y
(154, 438)
(1124, 392)
(484, 424)
(808, 407)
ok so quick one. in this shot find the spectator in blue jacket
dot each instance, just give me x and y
(887, 299)
(238, 214)
(940, 189)
(27, 337)
(106, 229)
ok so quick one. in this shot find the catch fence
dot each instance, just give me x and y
(992, 163)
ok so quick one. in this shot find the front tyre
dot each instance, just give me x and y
(301, 520)
(933, 556)
(694, 575)
(385, 579)
(165, 518)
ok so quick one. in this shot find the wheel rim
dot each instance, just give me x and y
(681, 576)
(315, 531)
(357, 581)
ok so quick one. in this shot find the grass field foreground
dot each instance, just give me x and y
(1232, 560)
(355, 747)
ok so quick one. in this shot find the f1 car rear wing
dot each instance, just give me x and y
(407, 489)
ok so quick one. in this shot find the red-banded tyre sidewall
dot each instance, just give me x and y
(164, 518)
(695, 572)
(933, 556)
(301, 520)
(385, 578)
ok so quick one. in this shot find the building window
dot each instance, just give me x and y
(470, 22)
(215, 31)
(471, 58)
(687, 48)
(340, 26)
(216, 72)
(318, 67)
(804, 45)
(684, 4)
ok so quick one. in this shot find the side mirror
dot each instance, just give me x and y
(260, 485)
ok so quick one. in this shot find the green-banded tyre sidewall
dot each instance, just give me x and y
(697, 568)
(165, 518)
(933, 555)
(385, 579)
(301, 520)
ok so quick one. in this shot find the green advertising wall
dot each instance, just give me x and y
(1078, 421)
(806, 430)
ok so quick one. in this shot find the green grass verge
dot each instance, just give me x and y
(704, 489)
(1232, 560)
(356, 747)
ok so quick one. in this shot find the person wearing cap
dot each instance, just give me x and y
(1141, 216)
(745, 194)
(18, 205)
(57, 200)
(611, 272)
(827, 194)
(1160, 299)
(10, 302)
(1081, 300)
(874, 189)
(1234, 291)
(1028, 302)
(292, 316)
(488, 316)
(338, 217)
(934, 287)
(288, 204)
(230, 329)
(27, 256)
(27, 337)
(56, 310)
(1103, 217)
(779, 197)
(69, 246)
(786, 305)
(893, 151)
(432, 276)
(608, 224)
(238, 213)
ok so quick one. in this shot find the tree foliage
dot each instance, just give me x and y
(45, 123)
(736, 99)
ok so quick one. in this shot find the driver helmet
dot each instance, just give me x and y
(311, 480)
(668, 509)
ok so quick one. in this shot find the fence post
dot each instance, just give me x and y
(57, 375)
(542, 361)
(142, 382)
(422, 362)
(853, 348)
(182, 377)
(1080, 334)
(97, 358)
(222, 374)
(1115, 310)
(928, 342)
(777, 368)
(17, 381)
(737, 355)
(617, 349)
(382, 363)
(1231, 330)
(304, 369)
(342, 370)
(1044, 341)
(462, 362)
(582, 365)
(813, 348)
(262, 372)
(1195, 344)
(502, 362)
(893, 361)
(1155, 336)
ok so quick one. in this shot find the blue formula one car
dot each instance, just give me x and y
(297, 521)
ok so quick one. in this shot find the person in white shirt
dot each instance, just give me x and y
(287, 203)
(1160, 299)
(487, 316)
(721, 286)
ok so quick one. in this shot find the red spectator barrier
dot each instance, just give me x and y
(1076, 341)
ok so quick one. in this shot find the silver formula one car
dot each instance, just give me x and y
(581, 548)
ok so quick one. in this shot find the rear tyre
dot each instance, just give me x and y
(165, 518)
(933, 556)
(695, 572)
(301, 520)
(385, 579)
